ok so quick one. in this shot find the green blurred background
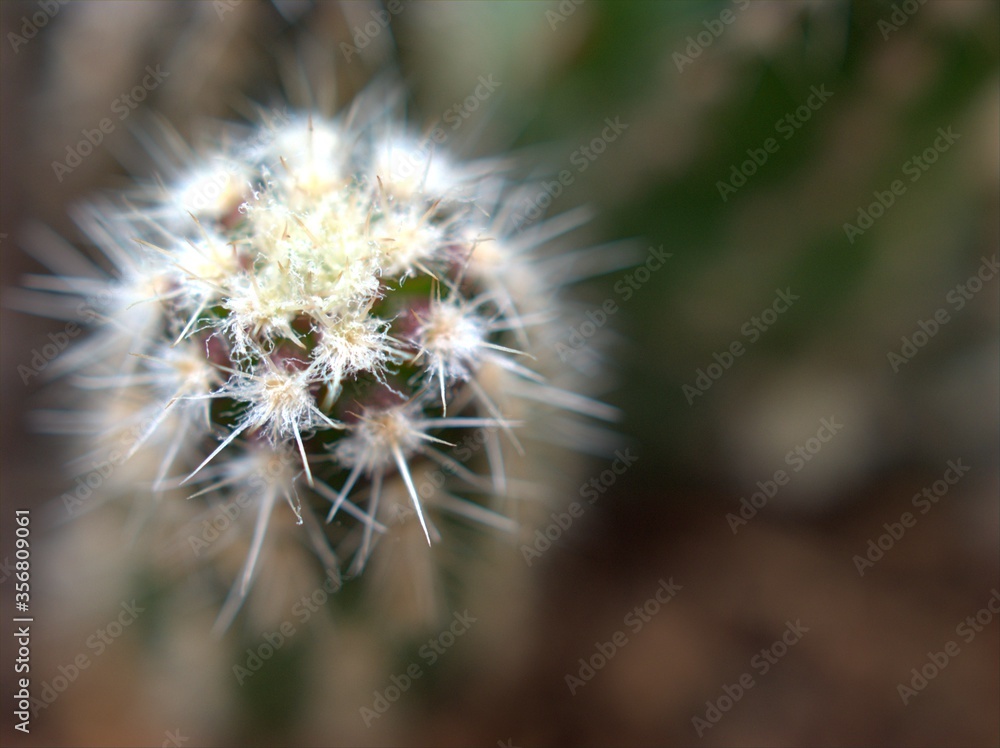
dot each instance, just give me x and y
(701, 87)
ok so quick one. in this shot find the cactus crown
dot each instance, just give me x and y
(328, 300)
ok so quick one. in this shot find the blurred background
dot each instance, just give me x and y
(810, 352)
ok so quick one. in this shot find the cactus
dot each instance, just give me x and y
(303, 327)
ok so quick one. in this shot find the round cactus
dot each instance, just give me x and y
(315, 314)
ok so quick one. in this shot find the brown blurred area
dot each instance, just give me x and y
(669, 516)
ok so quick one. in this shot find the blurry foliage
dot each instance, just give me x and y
(892, 90)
